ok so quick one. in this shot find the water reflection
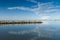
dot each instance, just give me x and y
(32, 32)
(45, 22)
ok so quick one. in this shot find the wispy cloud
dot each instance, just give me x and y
(32, 1)
(19, 8)
(40, 9)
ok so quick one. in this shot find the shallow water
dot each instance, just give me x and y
(45, 31)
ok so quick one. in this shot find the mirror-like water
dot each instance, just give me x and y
(44, 31)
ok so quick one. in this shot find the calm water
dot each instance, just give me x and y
(45, 31)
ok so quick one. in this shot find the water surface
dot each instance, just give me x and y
(45, 31)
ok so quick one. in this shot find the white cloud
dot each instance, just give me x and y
(40, 8)
(20, 8)
(32, 1)
(45, 17)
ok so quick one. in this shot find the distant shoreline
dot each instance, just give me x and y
(20, 22)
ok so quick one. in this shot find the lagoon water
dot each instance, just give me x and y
(45, 31)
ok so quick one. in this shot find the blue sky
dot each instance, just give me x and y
(29, 9)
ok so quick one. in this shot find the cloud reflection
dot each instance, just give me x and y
(46, 32)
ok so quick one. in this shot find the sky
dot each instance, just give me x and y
(29, 9)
